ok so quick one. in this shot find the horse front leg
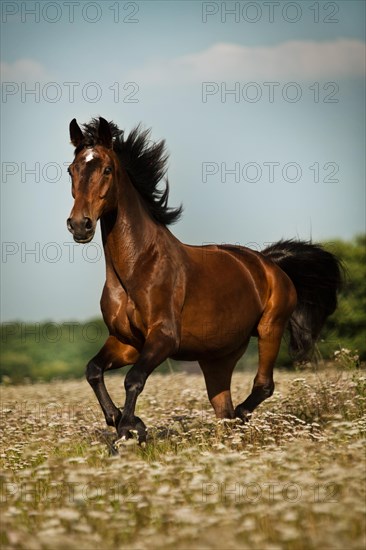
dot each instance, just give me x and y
(113, 355)
(160, 344)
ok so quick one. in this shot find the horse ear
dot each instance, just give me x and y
(104, 133)
(76, 135)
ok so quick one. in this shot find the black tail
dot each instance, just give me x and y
(317, 276)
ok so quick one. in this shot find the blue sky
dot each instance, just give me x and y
(262, 112)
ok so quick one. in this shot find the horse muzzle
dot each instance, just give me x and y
(82, 229)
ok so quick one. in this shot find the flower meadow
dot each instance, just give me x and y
(291, 478)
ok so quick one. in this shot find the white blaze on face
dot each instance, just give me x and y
(89, 156)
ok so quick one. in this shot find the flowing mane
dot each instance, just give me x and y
(145, 163)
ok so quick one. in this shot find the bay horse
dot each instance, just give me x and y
(163, 298)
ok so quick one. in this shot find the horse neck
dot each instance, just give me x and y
(129, 233)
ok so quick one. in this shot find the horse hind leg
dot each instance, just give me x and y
(218, 374)
(270, 332)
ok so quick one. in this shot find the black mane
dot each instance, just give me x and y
(145, 163)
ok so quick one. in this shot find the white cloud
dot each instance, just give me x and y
(24, 70)
(293, 60)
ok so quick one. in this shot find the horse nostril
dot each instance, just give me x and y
(88, 224)
(69, 224)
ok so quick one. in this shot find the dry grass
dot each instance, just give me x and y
(293, 478)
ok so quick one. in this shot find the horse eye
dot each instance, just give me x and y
(69, 171)
(107, 170)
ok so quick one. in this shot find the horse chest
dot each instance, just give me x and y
(121, 316)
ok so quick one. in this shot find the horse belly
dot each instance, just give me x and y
(217, 321)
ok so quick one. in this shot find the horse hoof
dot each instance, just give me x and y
(135, 429)
(244, 415)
